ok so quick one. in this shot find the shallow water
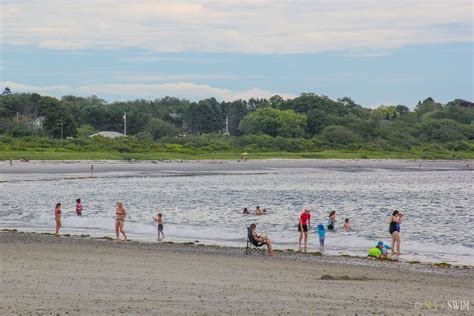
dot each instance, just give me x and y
(438, 207)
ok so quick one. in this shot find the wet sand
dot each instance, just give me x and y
(70, 275)
(81, 168)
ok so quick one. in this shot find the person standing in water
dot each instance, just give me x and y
(159, 220)
(394, 230)
(57, 217)
(322, 235)
(332, 220)
(120, 221)
(78, 207)
(303, 226)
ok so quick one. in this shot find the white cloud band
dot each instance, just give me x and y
(183, 90)
(262, 26)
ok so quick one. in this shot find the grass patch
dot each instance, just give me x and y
(414, 262)
(9, 230)
(197, 154)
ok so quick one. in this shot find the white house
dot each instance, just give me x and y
(108, 134)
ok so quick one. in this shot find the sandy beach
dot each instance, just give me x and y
(43, 274)
(183, 167)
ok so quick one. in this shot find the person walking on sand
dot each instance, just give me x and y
(159, 220)
(120, 221)
(394, 230)
(78, 207)
(332, 220)
(303, 226)
(57, 217)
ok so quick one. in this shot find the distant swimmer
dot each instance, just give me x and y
(159, 221)
(258, 211)
(394, 230)
(347, 225)
(246, 211)
(78, 207)
(57, 217)
(120, 214)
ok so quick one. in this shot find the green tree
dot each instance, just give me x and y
(339, 135)
(58, 120)
(274, 122)
(159, 128)
(427, 105)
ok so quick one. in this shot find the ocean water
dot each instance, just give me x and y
(438, 207)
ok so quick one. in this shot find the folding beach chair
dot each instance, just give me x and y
(253, 245)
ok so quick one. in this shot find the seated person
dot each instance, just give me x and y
(258, 240)
(376, 252)
(246, 211)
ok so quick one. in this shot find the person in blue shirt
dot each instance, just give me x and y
(322, 235)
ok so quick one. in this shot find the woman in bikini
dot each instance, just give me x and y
(394, 230)
(332, 220)
(120, 221)
(57, 217)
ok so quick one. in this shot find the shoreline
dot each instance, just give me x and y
(219, 166)
(45, 274)
(292, 254)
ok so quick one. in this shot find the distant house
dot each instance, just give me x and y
(108, 134)
(37, 123)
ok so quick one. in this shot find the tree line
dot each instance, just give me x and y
(309, 117)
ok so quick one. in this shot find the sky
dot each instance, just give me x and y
(376, 52)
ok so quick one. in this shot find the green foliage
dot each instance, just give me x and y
(158, 128)
(58, 120)
(274, 122)
(339, 135)
(309, 123)
(85, 130)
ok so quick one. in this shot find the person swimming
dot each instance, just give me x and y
(347, 225)
(246, 211)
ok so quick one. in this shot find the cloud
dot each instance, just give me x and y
(111, 91)
(244, 26)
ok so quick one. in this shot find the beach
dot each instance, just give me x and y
(43, 274)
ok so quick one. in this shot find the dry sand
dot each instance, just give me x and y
(71, 275)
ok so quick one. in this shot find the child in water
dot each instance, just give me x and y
(347, 225)
(322, 235)
(159, 220)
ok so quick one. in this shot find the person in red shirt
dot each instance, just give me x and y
(303, 226)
